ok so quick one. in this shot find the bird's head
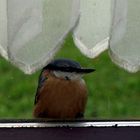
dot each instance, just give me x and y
(66, 69)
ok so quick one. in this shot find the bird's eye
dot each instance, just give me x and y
(67, 78)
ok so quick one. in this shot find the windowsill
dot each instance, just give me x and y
(42, 123)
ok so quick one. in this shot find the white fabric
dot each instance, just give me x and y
(125, 35)
(3, 29)
(35, 29)
(92, 34)
(31, 31)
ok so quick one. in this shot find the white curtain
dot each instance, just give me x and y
(3, 28)
(125, 35)
(31, 31)
(92, 34)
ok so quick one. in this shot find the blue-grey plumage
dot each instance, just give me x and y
(61, 92)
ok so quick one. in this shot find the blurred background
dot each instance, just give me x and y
(113, 92)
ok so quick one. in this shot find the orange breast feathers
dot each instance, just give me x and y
(62, 99)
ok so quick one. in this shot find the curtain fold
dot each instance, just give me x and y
(3, 29)
(125, 35)
(35, 30)
(92, 34)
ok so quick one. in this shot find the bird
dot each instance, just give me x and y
(61, 93)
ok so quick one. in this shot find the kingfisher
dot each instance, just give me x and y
(61, 91)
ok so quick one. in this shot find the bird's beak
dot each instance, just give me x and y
(88, 70)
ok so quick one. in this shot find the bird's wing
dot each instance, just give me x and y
(41, 81)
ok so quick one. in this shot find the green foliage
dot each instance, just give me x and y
(113, 92)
